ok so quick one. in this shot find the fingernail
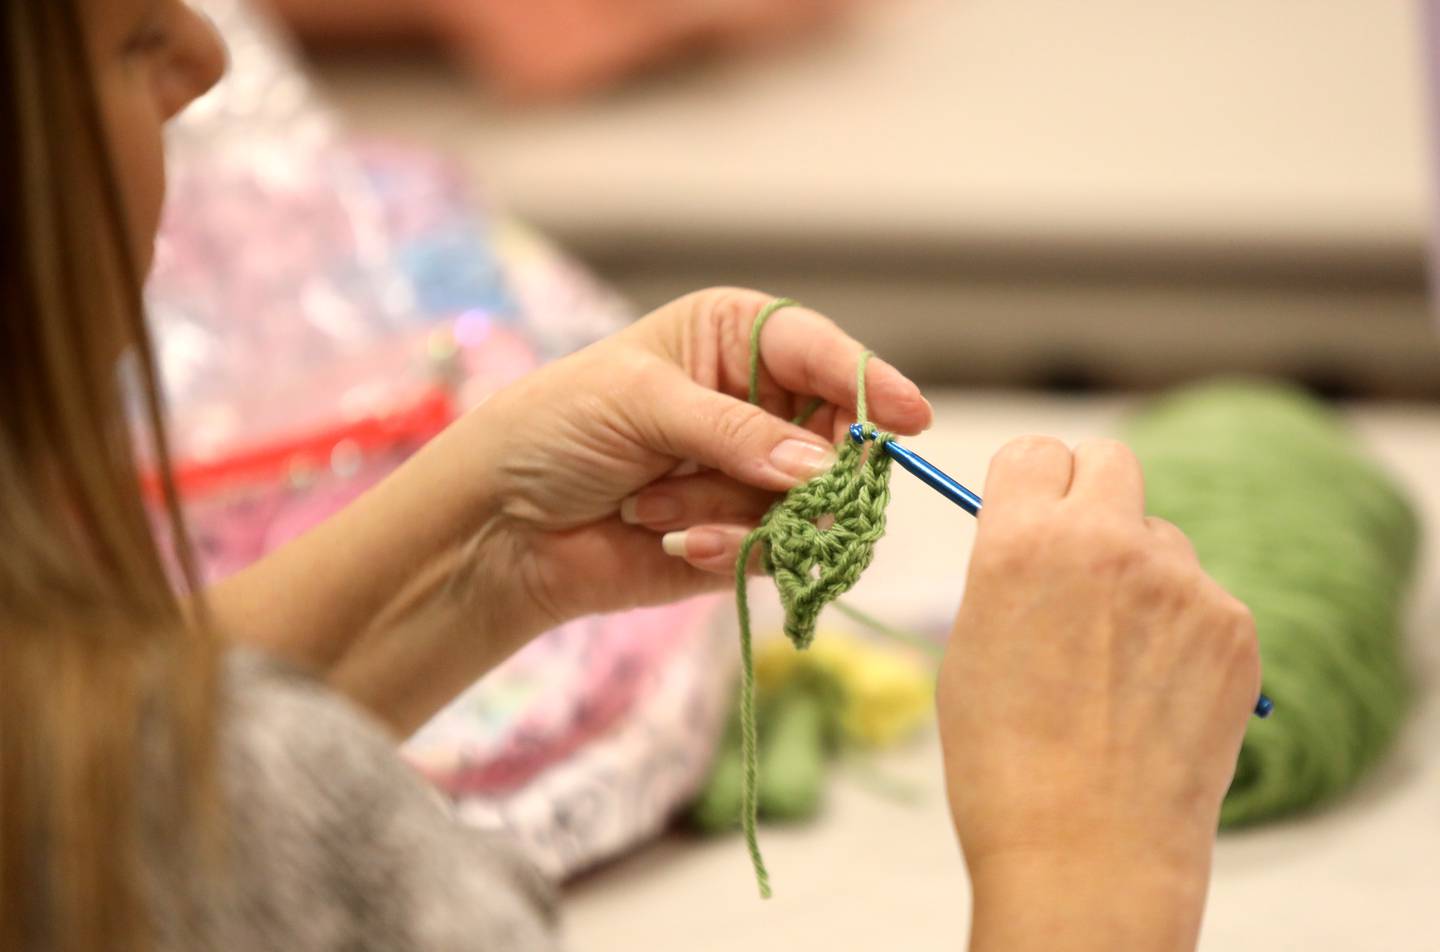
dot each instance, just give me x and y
(695, 544)
(929, 406)
(674, 543)
(636, 510)
(802, 459)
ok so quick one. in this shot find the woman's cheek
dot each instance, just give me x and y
(137, 147)
(145, 182)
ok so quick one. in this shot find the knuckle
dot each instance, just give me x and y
(814, 358)
(1171, 536)
(650, 380)
(645, 367)
(1244, 647)
(1162, 526)
(1150, 574)
(738, 423)
(1247, 648)
(1238, 616)
(1233, 626)
(1144, 573)
(1112, 546)
(1106, 448)
(730, 306)
(635, 364)
(819, 344)
(1025, 447)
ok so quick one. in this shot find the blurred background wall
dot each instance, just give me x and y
(1116, 193)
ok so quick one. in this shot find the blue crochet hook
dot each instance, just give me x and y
(938, 480)
(928, 473)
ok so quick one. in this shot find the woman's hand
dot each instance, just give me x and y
(586, 462)
(1092, 703)
(510, 521)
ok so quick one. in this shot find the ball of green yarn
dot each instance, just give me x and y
(1288, 512)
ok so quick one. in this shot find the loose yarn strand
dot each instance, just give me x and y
(932, 649)
(749, 732)
(860, 415)
(811, 566)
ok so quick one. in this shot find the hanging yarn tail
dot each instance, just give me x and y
(1288, 513)
(811, 565)
(749, 731)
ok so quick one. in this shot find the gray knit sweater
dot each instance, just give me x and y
(336, 844)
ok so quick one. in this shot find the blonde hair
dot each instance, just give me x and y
(94, 640)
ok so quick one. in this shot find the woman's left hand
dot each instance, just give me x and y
(582, 465)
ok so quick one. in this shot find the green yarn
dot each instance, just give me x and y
(811, 565)
(1289, 514)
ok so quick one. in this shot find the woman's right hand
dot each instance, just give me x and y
(1092, 703)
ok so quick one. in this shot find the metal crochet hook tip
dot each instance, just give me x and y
(938, 480)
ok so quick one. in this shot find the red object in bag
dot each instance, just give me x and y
(271, 461)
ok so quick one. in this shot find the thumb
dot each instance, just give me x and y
(688, 421)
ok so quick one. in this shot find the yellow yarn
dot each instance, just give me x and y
(885, 695)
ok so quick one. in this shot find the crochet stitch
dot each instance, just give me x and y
(816, 541)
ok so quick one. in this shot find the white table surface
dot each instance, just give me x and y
(874, 873)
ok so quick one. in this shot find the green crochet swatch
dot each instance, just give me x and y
(811, 565)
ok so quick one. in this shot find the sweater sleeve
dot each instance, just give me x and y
(337, 844)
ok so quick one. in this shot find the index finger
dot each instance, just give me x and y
(805, 352)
